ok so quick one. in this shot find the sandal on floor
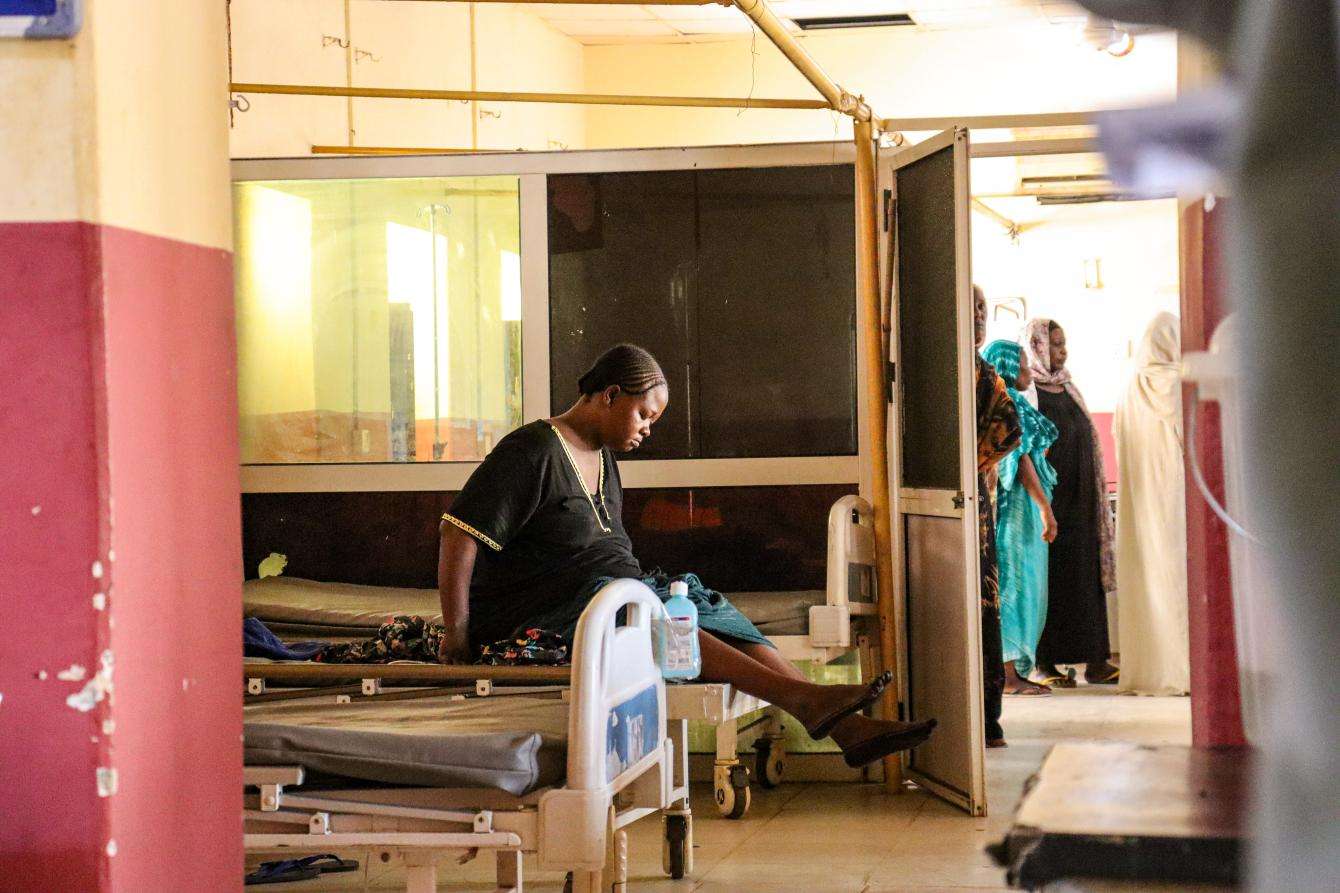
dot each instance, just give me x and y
(825, 725)
(329, 863)
(306, 868)
(1059, 681)
(906, 737)
(1111, 676)
(283, 872)
(1030, 690)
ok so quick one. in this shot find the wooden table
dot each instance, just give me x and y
(1129, 812)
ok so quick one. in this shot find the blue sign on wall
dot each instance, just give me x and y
(39, 19)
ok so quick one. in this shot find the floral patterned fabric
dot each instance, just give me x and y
(997, 435)
(410, 637)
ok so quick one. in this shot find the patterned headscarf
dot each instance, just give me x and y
(1038, 349)
(1039, 433)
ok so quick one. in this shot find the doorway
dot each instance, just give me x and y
(1054, 239)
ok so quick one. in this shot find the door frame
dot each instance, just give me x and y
(932, 502)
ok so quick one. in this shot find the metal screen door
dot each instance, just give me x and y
(933, 459)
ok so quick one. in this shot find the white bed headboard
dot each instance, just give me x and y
(851, 551)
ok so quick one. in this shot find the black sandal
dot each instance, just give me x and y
(286, 871)
(1106, 675)
(905, 738)
(872, 692)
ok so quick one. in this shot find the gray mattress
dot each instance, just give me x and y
(296, 608)
(513, 743)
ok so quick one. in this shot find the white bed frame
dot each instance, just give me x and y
(851, 548)
(851, 545)
(576, 828)
(851, 553)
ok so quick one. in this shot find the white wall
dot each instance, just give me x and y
(902, 72)
(1136, 243)
(405, 44)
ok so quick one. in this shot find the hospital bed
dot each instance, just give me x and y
(558, 774)
(814, 626)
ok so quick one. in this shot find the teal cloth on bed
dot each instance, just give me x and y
(715, 613)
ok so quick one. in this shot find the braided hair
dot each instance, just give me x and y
(626, 366)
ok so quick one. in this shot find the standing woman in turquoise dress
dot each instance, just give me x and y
(1025, 525)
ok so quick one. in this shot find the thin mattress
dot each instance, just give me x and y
(512, 743)
(293, 607)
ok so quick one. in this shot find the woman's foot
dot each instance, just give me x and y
(996, 742)
(827, 706)
(1102, 673)
(1018, 685)
(1028, 689)
(864, 740)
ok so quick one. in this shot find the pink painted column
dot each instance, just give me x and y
(1216, 703)
(120, 576)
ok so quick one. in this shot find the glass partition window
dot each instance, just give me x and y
(741, 281)
(377, 320)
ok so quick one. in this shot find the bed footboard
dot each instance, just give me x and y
(617, 741)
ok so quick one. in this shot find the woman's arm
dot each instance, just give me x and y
(1028, 475)
(455, 564)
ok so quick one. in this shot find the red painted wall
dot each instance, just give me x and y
(54, 524)
(118, 411)
(1216, 703)
(1103, 422)
(177, 574)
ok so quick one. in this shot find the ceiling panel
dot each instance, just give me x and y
(606, 23)
(605, 28)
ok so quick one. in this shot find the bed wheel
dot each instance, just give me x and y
(732, 790)
(769, 758)
(677, 847)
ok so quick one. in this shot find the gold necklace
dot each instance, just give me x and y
(586, 491)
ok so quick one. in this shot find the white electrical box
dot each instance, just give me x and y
(830, 626)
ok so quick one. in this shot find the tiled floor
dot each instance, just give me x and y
(848, 838)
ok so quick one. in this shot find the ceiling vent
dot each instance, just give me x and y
(875, 21)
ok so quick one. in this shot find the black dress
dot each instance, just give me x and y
(543, 539)
(1076, 626)
(549, 545)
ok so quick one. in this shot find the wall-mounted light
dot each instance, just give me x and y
(1093, 273)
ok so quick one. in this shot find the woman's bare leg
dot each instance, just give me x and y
(770, 657)
(784, 686)
(788, 679)
(851, 730)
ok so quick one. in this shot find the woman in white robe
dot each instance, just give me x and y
(1151, 519)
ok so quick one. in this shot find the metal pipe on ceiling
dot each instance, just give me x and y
(592, 2)
(772, 28)
(990, 122)
(722, 102)
(1015, 148)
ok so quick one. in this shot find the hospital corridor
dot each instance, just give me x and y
(736, 446)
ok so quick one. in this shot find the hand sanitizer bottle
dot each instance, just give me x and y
(677, 638)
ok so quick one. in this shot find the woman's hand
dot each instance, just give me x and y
(1048, 524)
(449, 652)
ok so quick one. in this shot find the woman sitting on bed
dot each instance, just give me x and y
(536, 532)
